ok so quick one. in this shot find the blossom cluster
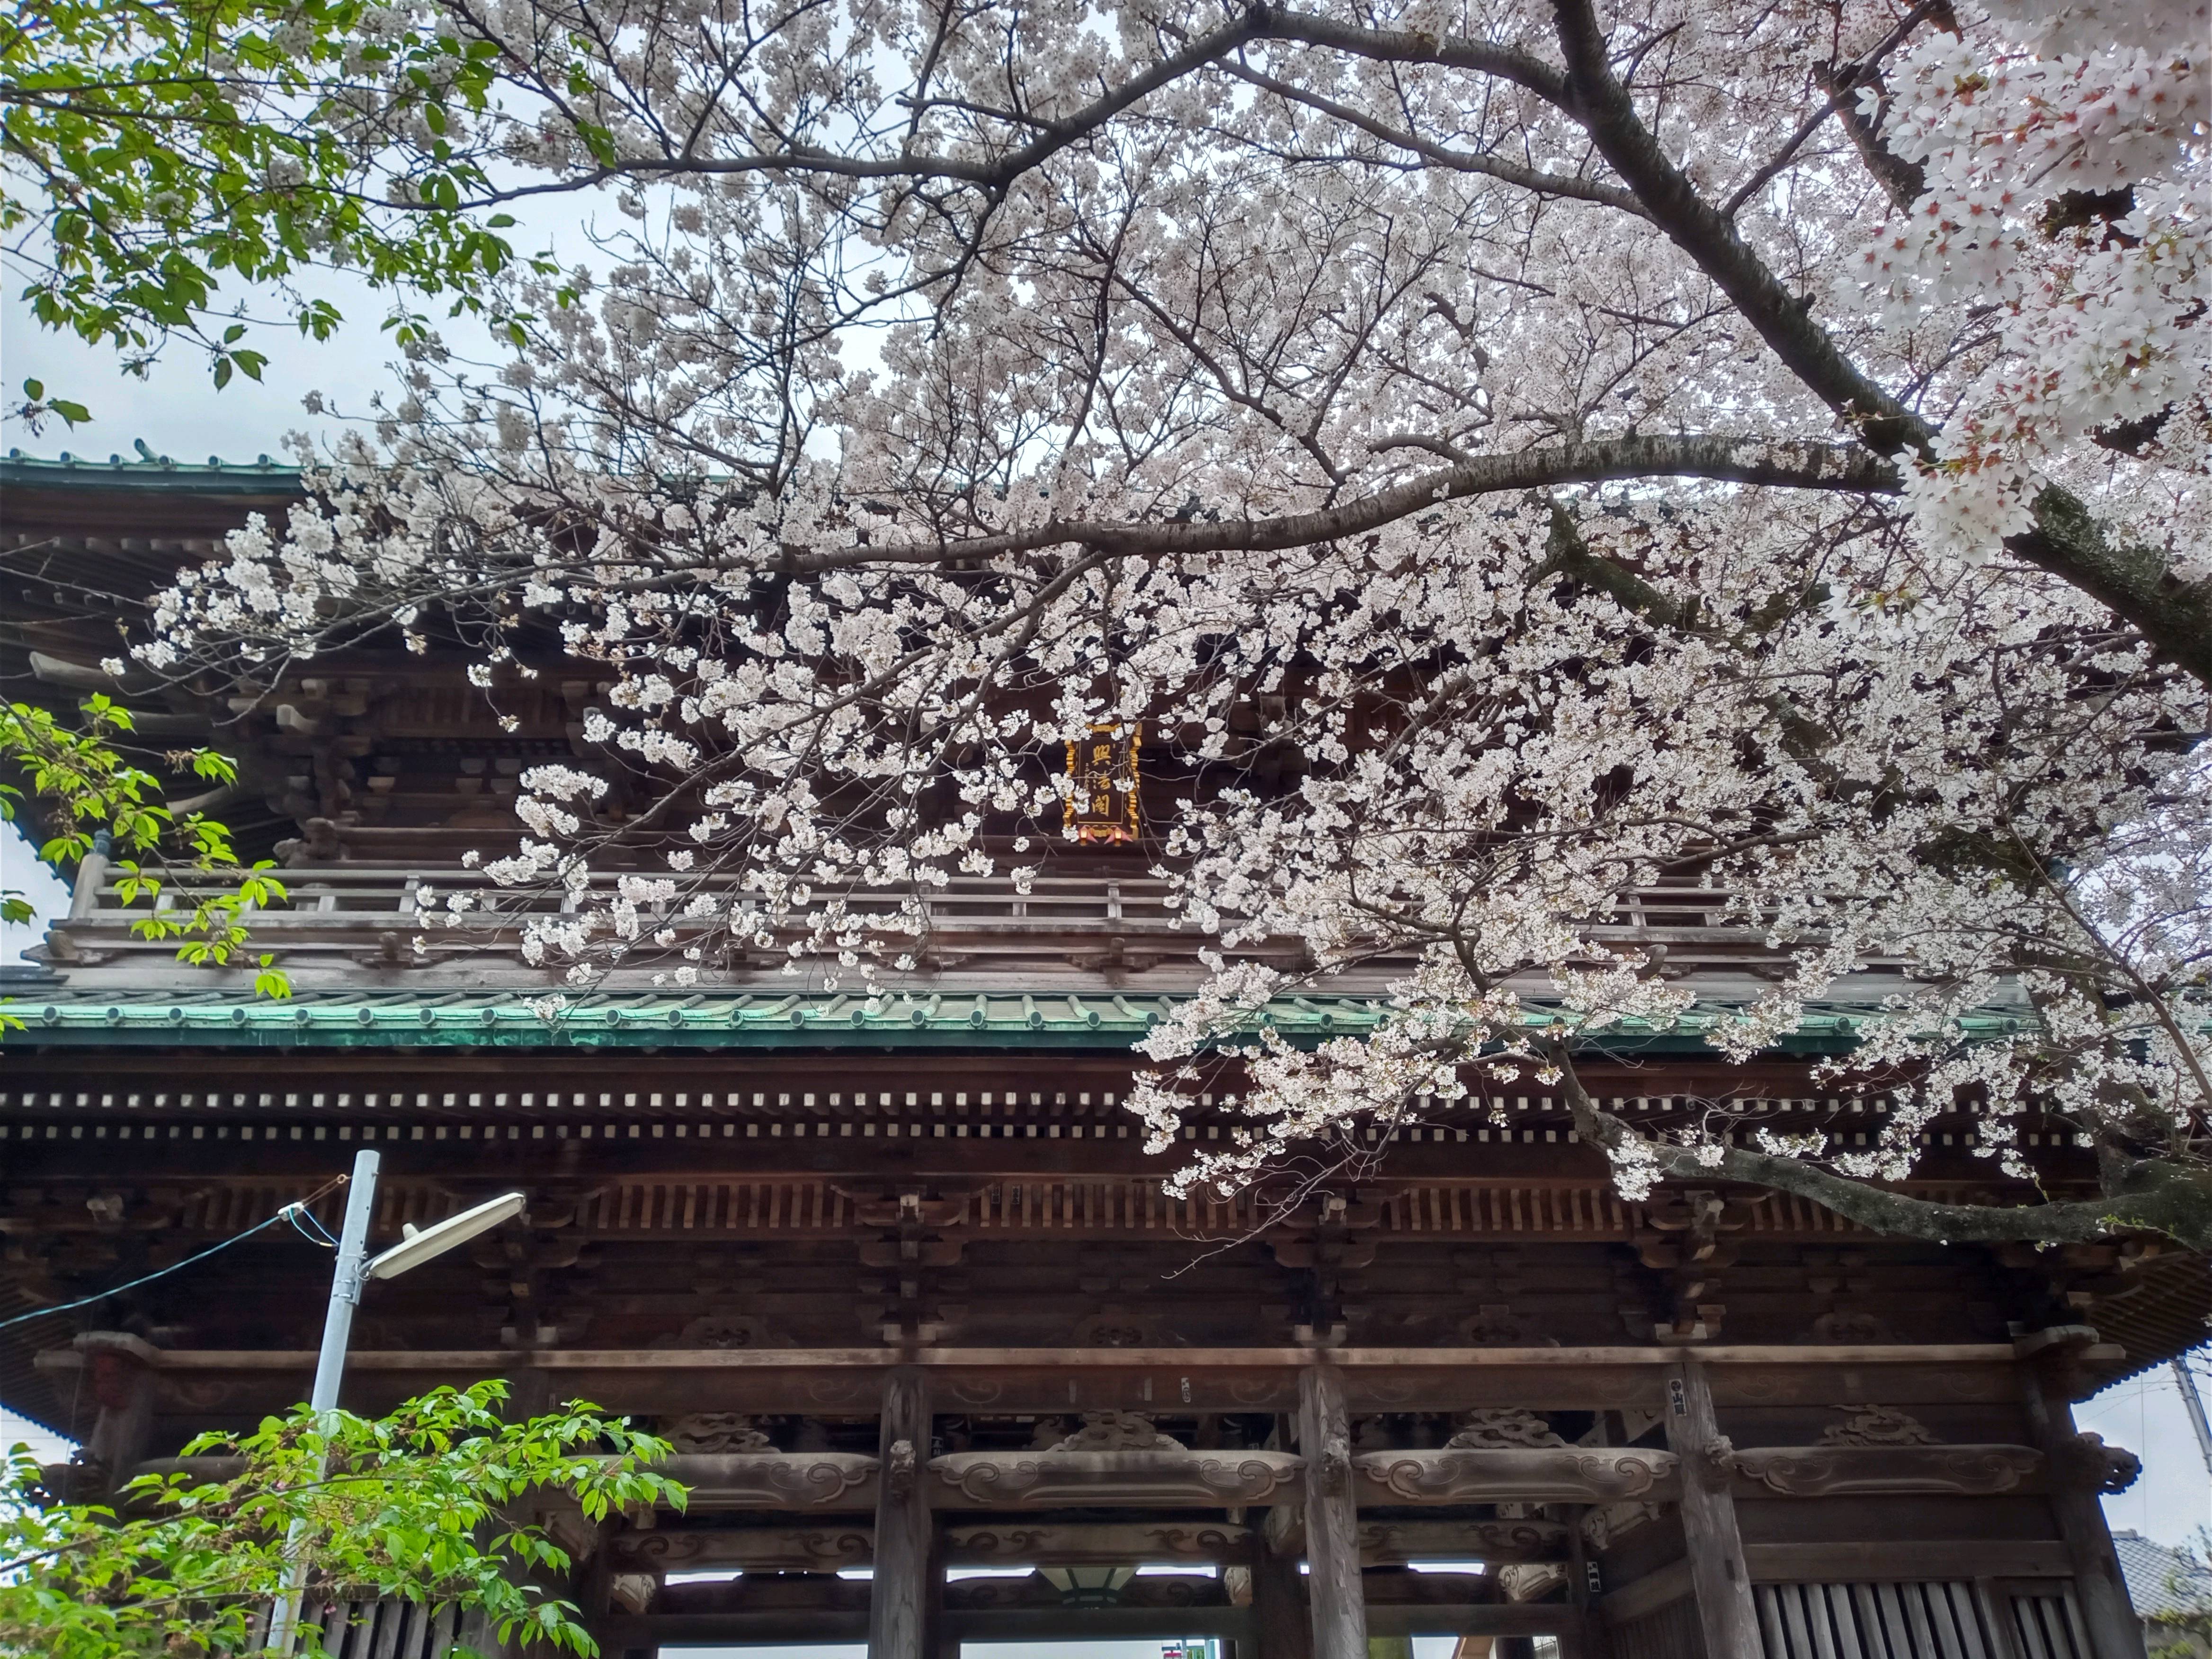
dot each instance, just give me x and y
(1507, 595)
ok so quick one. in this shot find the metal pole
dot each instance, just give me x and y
(329, 1371)
(2189, 1398)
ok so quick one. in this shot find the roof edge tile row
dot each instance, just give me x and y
(53, 1015)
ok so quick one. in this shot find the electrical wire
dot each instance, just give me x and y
(289, 1212)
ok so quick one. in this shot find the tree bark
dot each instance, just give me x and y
(1726, 1613)
(2115, 1633)
(1333, 1582)
(904, 1593)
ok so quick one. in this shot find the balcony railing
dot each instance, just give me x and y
(1118, 923)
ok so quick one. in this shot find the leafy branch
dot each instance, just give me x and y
(100, 802)
(443, 1502)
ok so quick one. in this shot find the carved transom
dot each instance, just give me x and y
(1505, 1426)
(718, 1431)
(1113, 1327)
(1876, 1426)
(1117, 1431)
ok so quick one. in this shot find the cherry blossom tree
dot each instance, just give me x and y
(1503, 454)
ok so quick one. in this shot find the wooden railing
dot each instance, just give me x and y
(351, 906)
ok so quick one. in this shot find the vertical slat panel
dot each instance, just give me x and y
(1819, 1620)
(1866, 1621)
(1793, 1621)
(1843, 1619)
(1916, 1620)
(1950, 1642)
(1973, 1641)
(2076, 1629)
(1770, 1621)
(1894, 1627)
(392, 1619)
(370, 1618)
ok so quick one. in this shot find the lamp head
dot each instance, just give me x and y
(419, 1244)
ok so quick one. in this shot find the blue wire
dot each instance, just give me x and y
(283, 1214)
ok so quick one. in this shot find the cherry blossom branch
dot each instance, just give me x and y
(1840, 83)
(1532, 179)
(1784, 465)
(2153, 1195)
(2175, 616)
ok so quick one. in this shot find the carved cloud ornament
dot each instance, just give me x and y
(1829, 1471)
(1569, 1474)
(754, 1549)
(1052, 1478)
(1876, 1426)
(774, 1480)
(1094, 1544)
(1496, 1426)
(718, 1431)
(1112, 1430)
(721, 1330)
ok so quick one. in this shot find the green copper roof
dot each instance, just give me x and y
(149, 471)
(57, 1014)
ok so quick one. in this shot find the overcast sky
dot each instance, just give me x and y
(175, 409)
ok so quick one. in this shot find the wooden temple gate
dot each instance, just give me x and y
(942, 1360)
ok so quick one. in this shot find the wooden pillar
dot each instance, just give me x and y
(1280, 1627)
(1590, 1639)
(904, 1593)
(1726, 1613)
(1333, 1583)
(2115, 1633)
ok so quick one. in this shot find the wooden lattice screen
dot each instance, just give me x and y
(1882, 1621)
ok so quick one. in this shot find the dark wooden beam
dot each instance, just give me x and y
(221, 1385)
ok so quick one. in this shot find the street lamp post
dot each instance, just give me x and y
(354, 1266)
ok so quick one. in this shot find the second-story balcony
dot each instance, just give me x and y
(339, 922)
